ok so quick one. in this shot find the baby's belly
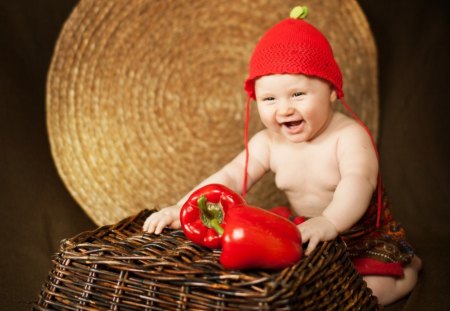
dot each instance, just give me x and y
(309, 205)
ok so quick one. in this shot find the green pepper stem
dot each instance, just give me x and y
(210, 218)
(216, 226)
(202, 205)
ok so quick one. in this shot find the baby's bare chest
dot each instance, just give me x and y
(309, 169)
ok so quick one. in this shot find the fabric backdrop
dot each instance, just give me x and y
(37, 211)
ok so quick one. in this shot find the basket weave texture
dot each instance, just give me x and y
(118, 267)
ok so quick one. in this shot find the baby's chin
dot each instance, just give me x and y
(297, 138)
(295, 134)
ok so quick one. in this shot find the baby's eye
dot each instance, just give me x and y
(267, 99)
(298, 94)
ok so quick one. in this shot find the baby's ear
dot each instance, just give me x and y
(333, 95)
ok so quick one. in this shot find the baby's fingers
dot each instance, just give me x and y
(161, 225)
(167, 222)
(152, 223)
(157, 221)
(308, 237)
(149, 224)
(313, 242)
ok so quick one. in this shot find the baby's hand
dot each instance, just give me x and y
(315, 230)
(166, 217)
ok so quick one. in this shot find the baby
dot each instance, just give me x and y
(323, 160)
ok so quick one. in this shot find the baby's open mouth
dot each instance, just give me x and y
(292, 124)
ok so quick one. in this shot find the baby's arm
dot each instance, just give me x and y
(231, 175)
(358, 167)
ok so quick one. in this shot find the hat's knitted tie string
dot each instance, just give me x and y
(379, 184)
(247, 119)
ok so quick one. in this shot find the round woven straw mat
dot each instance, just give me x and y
(145, 98)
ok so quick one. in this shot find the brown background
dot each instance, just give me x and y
(37, 210)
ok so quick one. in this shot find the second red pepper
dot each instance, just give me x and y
(256, 238)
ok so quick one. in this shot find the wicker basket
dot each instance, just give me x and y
(118, 267)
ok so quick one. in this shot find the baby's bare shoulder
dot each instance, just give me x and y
(260, 147)
(349, 130)
(355, 150)
(261, 139)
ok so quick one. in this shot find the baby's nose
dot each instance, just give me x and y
(285, 108)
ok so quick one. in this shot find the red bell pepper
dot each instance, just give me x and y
(204, 215)
(256, 238)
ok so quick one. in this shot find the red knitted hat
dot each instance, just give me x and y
(294, 46)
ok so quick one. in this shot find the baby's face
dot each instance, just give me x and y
(296, 106)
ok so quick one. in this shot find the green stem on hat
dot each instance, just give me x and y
(299, 12)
